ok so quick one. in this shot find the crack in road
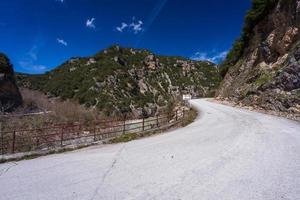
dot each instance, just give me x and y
(118, 154)
(4, 171)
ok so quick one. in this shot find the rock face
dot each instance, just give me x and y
(267, 74)
(10, 97)
(125, 80)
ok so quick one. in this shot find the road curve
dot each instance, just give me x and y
(227, 153)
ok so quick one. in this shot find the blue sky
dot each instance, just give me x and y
(39, 35)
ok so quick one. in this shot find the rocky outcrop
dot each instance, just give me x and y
(267, 75)
(151, 62)
(10, 97)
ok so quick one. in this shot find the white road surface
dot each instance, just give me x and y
(226, 154)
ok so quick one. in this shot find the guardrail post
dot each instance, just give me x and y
(62, 137)
(176, 115)
(143, 123)
(2, 138)
(183, 113)
(157, 123)
(14, 142)
(94, 132)
(124, 125)
(37, 139)
(79, 129)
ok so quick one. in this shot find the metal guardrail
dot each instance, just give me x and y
(58, 136)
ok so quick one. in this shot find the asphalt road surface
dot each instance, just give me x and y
(226, 154)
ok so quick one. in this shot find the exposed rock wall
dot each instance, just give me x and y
(268, 73)
(10, 97)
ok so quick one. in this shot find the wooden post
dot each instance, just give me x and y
(183, 112)
(14, 142)
(157, 123)
(62, 136)
(176, 115)
(143, 123)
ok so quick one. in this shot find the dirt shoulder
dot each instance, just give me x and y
(256, 109)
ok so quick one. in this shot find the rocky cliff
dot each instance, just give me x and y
(263, 67)
(125, 80)
(10, 97)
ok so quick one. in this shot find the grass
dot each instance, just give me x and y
(189, 118)
(36, 154)
(263, 79)
(127, 137)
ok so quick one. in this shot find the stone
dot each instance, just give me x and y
(297, 54)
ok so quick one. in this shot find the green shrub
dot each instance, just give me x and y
(263, 79)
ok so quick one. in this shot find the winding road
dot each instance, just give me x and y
(226, 154)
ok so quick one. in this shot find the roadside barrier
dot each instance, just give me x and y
(59, 136)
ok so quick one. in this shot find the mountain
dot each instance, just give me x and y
(10, 97)
(263, 68)
(125, 80)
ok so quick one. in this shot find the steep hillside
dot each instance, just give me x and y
(263, 67)
(10, 97)
(123, 80)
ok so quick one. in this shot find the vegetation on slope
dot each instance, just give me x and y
(123, 80)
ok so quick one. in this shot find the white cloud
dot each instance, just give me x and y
(134, 26)
(29, 66)
(61, 1)
(62, 42)
(137, 27)
(29, 61)
(215, 57)
(90, 23)
(40, 68)
(122, 27)
(33, 52)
